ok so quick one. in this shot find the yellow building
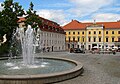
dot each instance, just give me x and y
(88, 35)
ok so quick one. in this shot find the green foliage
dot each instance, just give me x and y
(8, 20)
(3, 49)
(32, 19)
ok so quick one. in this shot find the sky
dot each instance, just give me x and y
(63, 11)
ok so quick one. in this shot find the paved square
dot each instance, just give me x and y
(98, 68)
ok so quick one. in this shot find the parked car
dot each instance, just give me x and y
(94, 50)
(71, 50)
(118, 50)
(78, 50)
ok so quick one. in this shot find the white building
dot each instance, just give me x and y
(50, 35)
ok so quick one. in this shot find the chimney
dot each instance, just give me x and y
(94, 22)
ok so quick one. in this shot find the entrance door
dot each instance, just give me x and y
(72, 45)
(52, 48)
(68, 46)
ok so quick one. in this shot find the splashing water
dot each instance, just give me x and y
(27, 41)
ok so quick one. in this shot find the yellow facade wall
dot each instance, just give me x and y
(76, 35)
(109, 35)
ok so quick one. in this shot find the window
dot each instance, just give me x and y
(82, 32)
(112, 39)
(99, 32)
(94, 39)
(99, 39)
(118, 32)
(89, 32)
(89, 39)
(69, 39)
(73, 38)
(106, 45)
(94, 32)
(50, 42)
(106, 32)
(107, 39)
(78, 32)
(65, 33)
(112, 32)
(89, 47)
(119, 39)
(49, 27)
(73, 32)
(42, 21)
(78, 39)
(69, 33)
(68, 45)
(83, 39)
(43, 27)
(52, 28)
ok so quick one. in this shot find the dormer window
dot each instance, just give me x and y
(49, 27)
(53, 23)
(53, 28)
(43, 26)
(42, 21)
(57, 29)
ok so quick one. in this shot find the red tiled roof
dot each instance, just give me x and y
(21, 19)
(76, 25)
(47, 23)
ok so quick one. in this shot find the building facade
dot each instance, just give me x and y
(51, 36)
(88, 35)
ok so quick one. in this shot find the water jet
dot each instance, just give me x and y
(31, 69)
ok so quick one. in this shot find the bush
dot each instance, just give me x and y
(4, 50)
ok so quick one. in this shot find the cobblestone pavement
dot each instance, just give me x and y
(98, 68)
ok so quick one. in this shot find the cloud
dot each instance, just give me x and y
(106, 17)
(115, 9)
(84, 10)
(56, 5)
(54, 15)
(86, 7)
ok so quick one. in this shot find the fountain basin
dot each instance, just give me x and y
(40, 78)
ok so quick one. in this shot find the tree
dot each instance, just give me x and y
(8, 22)
(32, 18)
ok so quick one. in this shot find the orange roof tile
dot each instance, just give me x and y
(76, 25)
(47, 23)
(21, 19)
(73, 25)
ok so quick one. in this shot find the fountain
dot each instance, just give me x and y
(35, 70)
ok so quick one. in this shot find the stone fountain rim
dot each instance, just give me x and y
(78, 67)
